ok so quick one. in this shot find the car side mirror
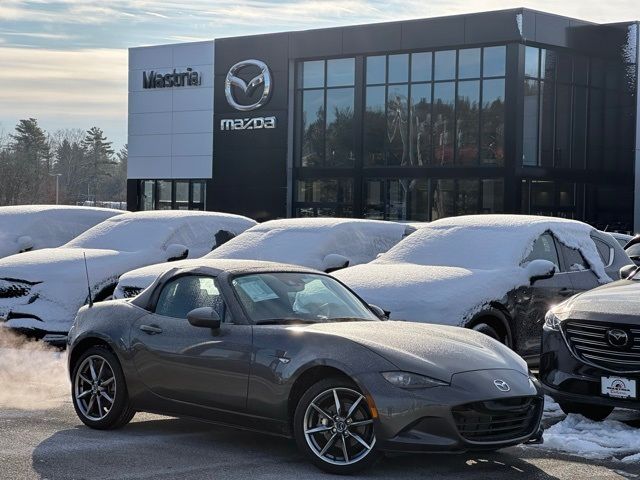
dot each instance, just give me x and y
(540, 270)
(627, 271)
(25, 243)
(205, 317)
(379, 311)
(333, 262)
(175, 251)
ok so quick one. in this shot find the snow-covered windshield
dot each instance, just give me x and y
(468, 246)
(270, 298)
(126, 234)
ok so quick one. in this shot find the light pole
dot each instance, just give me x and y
(57, 175)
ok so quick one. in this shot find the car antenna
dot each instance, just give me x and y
(86, 270)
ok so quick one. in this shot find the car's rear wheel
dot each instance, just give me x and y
(597, 413)
(334, 427)
(99, 391)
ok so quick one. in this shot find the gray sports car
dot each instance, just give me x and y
(292, 351)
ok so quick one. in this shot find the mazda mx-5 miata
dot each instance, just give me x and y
(292, 351)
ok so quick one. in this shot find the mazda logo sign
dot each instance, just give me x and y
(617, 337)
(263, 79)
(502, 385)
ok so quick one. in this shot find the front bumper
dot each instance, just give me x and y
(469, 414)
(567, 379)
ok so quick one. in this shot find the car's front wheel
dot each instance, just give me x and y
(597, 413)
(334, 427)
(99, 391)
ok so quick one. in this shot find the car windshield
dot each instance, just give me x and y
(273, 298)
(125, 234)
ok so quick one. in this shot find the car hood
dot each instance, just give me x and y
(437, 351)
(618, 300)
(434, 294)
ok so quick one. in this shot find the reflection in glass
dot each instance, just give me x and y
(542, 194)
(376, 69)
(374, 126)
(530, 123)
(445, 65)
(313, 74)
(531, 62)
(164, 194)
(148, 195)
(492, 136)
(421, 67)
(547, 104)
(467, 125)
(397, 125)
(420, 132)
(312, 128)
(182, 191)
(442, 201)
(494, 61)
(492, 195)
(443, 117)
(339, 132)
(396, 199)
(340, 72)
(326, 190)
(469, 63)
(398, 68)
(467, 197)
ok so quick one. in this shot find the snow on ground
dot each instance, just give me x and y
(576, 435)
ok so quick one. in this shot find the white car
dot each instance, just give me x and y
(32, 227)
(325, 244)
(498, 274)
(41, 291)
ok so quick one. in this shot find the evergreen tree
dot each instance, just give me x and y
(99, 157)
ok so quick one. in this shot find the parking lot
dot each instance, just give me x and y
(54, 444)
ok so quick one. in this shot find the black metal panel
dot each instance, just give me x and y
(433, 33)
(316, 43)
(552, 30)
(380, 37)
(492, 27)
(273, 49)
(132, 195)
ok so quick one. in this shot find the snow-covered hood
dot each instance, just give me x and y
(432, 294)
(617, 299)
(45, 288)
(435, 350)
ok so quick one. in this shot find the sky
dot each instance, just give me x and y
(64, 62)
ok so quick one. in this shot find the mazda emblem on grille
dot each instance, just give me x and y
(617, 337)
(502, 385)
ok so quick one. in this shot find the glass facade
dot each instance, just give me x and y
(423, 135)
(171, 194)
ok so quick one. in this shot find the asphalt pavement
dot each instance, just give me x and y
(54, 444)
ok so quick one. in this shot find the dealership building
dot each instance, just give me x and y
(512, 111)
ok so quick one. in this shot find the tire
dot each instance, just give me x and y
(326, 447)
(488, 330)
(99, 391)
(597, 413)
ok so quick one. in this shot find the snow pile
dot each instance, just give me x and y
(577, 435)
(46, 225)
(298, 241)
(450, 269)
(551, 409)
(32, 375)
(52, 282)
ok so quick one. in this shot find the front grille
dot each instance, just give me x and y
(589, 341)
(498, 420)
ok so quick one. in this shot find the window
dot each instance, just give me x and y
(183, 294)
(172, 195)
(605, 251)
(326, 134)
(396, 199)
(327, 197)
(544, 248)
(573, 260)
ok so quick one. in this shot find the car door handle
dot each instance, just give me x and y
(150, 329)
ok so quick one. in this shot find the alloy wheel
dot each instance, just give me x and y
(95, 388)
(338, 426)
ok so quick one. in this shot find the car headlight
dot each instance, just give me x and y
(551, 321)
(411, 380)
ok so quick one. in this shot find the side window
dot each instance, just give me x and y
(604, 250)
(573, 260)
(183, 294)
(544, 248)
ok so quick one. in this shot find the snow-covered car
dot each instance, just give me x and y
(41, 291)
(622, 238)
(498, 274)
(325, 244)
(32, 227)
